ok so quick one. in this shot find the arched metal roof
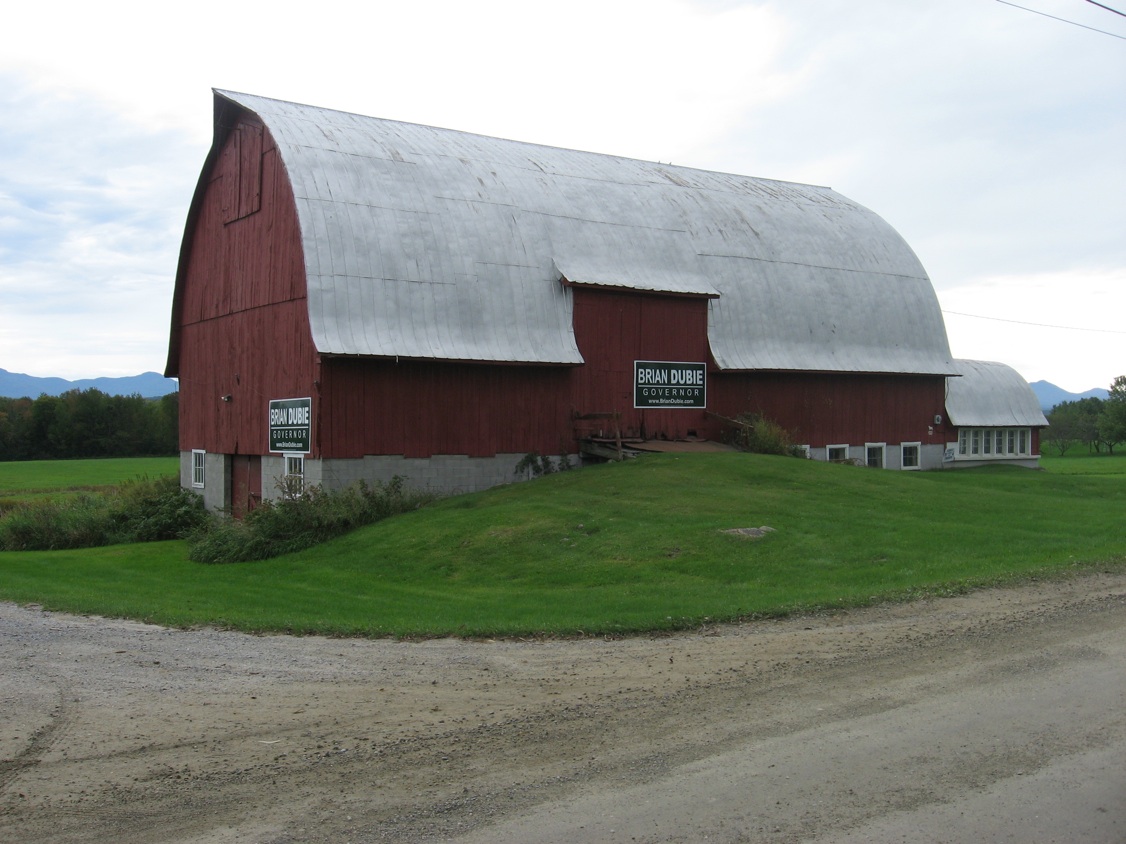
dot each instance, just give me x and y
(430, 243)
(991, 395)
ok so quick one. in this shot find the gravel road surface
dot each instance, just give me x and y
(998, 716)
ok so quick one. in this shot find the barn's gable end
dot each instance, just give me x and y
(240, 318)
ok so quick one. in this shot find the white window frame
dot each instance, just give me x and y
(918, 456)
(199, 468)
(883, 455)
(295, 468)
(994, 443)
(829, 452)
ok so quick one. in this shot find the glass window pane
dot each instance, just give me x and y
(875, 455)
(198, 471)
(910, 456)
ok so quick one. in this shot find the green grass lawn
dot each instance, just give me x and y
(27, 478)
(620, 548)
(1079, 461)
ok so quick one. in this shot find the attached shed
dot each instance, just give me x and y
(362, 298)
(993, 415)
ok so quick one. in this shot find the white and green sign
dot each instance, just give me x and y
(291, 425)
(658, 383)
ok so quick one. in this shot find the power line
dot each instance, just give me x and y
(1101, 6)
(1037, 324)
(1063, 20)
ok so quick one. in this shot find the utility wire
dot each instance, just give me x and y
(1063, 20)
(1037, 324)
(1101, 6)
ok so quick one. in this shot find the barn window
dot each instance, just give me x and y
(838, 453)
(198, 468)
(874, 455)
(911, 455)
(294, 475)
(994, 442)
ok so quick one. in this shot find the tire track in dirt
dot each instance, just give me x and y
(42, 741)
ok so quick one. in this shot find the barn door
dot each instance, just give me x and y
(246, 483)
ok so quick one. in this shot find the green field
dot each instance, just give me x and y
(1081, 462)
(23, 478)
(620, 548)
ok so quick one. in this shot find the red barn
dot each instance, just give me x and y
(358, 298)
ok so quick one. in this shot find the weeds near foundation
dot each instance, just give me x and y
(299, 520)
(142, 510)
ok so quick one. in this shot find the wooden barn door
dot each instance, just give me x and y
(246, 483)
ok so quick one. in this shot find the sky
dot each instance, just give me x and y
(991, 137)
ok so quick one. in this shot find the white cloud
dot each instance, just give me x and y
(1066, 328)
(989, 137)
(91, 207)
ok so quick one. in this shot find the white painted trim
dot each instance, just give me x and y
(883, 447)
(202, 482)
(918, 456)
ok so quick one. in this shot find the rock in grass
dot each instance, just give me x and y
(750, 533)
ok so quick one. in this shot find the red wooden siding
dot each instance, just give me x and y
(418, 408)
(244, 321)
(615, 329)
(246, 484)
(826, 409)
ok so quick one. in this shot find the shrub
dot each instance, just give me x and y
(80, 521)
(138, 511)
(759, 435)
(298, 521)
(535, 465)
(150, 511)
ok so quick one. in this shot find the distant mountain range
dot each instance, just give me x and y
(1049, 395)
(15, 385)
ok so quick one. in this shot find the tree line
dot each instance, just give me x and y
(1096, 423)
(88, 423)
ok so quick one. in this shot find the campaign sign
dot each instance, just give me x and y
(291, 425)
(669, 384)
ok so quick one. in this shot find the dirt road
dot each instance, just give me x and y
(997, 716)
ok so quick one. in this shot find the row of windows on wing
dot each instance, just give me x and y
(994, 442)
(874, 455)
